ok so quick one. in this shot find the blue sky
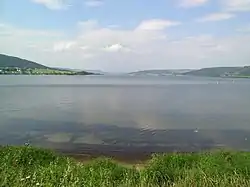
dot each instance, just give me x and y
(114, 35)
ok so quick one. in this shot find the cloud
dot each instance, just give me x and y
(120, 49)
(216, 17)
(84, 47)
(32, 45)
(156, 24)
(93, 3)
(192, 3)
(236, 5)
(116, 48)
(63, 46)
(213, 46)
(53, 4)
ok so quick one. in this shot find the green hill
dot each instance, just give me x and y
(86, 73)
(10, 61)
(245, 71)
(160, 72)
(221, 72)
(10, 65)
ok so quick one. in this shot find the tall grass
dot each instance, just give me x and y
(29, 166)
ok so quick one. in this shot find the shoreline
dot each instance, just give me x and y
(128, 154)
(31, 166)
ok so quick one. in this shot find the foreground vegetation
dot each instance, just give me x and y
(29, 166)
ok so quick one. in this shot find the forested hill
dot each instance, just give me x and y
(222, 72)
(10, 61)
(161, 72)
(10, 65)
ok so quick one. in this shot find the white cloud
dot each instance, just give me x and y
(156, 24)
(53, 4)
(116, 48)
(236, 5)
(124, 49)
(192, 3)
(63, 46)
(31, 45)
(93, 3)
(84, 47)
(216, 17)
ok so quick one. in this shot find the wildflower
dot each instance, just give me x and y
(37, 184)
(27, 144)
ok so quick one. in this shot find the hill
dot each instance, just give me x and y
(98, 72)
(161, 72)
(221, 72)
(85, 73)
(10, 61)
(10, 65)
(67, 69)
(245, 71)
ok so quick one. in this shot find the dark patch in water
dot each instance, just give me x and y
(121, 142)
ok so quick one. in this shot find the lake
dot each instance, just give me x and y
(136, 114)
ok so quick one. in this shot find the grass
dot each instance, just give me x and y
(30, 166)
(241, 76)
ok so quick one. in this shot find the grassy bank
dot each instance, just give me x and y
(28, 166)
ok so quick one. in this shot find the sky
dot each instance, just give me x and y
(127, 35)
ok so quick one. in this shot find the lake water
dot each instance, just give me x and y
(99, 113)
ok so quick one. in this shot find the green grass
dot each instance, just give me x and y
(241, 76)
(29, 166)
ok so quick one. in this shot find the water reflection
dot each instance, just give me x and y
(127, 114)
(80, 138)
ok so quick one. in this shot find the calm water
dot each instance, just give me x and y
(160, 113)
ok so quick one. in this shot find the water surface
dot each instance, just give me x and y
(125, 112)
